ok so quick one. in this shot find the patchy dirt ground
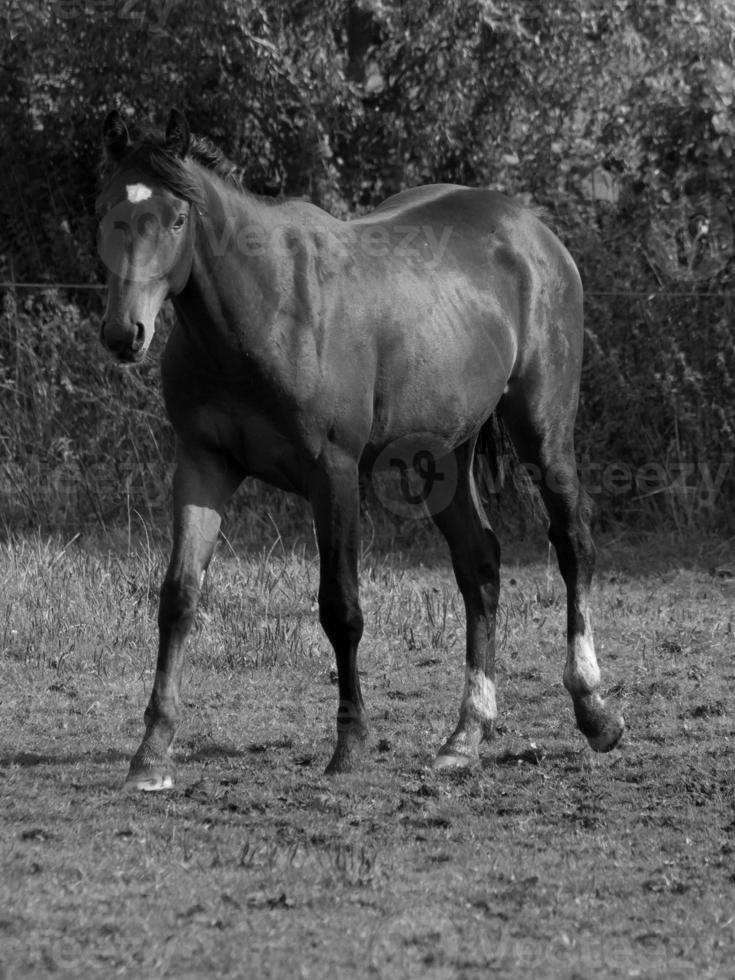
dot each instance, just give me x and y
(548, 860)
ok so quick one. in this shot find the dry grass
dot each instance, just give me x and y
(547, 860)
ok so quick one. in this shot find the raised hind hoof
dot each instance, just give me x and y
(602, 727)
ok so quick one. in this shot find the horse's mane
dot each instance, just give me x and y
(210, 156)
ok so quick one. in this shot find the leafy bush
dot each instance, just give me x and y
(615, 117)
(81, 438)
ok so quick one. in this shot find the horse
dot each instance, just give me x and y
(305, 348)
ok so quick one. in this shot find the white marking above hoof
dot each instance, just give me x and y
(478, 699)
(581, 671)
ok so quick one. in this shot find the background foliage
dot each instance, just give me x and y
(616, 117)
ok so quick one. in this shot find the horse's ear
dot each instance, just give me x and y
(178, 133)
(115, 136)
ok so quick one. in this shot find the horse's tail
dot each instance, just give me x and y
(497, 468)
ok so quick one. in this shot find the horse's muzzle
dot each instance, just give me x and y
(129, 347)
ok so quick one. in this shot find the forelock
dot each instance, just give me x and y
(151, 158)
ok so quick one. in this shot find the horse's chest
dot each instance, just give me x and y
(254, 439)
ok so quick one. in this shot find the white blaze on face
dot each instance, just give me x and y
(138, 192)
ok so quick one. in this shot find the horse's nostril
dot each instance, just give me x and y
(139, 337)
(123, 345)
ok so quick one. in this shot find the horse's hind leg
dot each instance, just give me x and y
(544, 442)
(476, 559)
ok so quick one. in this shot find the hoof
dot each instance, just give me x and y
(340, 763)
(149, 782)
(461, 750)
(347, 754)
(602, 727)
(455, 760)
(610, 737)
(149, 773)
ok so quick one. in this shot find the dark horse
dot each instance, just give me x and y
(304, 348)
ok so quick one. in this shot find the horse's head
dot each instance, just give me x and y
(146, 212)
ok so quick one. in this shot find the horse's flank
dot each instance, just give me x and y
(309, 308)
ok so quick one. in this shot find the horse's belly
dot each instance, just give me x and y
(445, 378)
(256, 442)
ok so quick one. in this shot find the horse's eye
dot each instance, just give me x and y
(179, 222)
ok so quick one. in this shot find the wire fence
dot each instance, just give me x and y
(655, 430)
(601, 294)
(52, 285)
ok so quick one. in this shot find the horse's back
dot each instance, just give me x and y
(477, 226)
(461, 207)
(472, 205)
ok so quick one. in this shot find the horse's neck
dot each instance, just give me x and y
(234, 224)
(233, 279)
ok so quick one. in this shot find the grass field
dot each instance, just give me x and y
(548, 861)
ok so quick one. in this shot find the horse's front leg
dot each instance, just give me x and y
(202, 484)
(334, 495)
